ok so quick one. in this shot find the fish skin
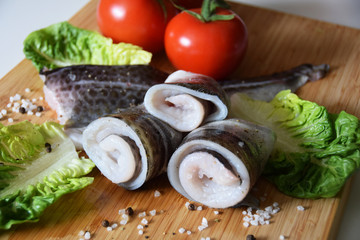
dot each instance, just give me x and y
(205, 89)
(257, 144)
(86, 92)
(85, 106)
(157, 139)
(266, 87)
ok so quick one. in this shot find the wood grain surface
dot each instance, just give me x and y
(277, 41)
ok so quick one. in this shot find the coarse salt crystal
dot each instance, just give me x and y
(123, 222)
(254, 223)
(87, 235)
(30, 113)
(182, 230)
(125, 216)
(140, 226)
(10, 120)
(81, 233)
(109, 229)
(1, 116)
(34, 100)
(16, 104)
(9, 105)
(144, 221)
(247, 219)
(25, 105)
(17, 97)
(282, 237)
(300, 208)
(141, 232)
(259, 211)
(269, 209)
(153, 212)
(187, 204)
(199, 208)
(246, 224)
(27, 90)
(32, 107)
(200, 228)
(142, 214)
(275, 204)
(121, 211)
(188, 232)
(41, 98)
(3, 111)
(38, 114)
(113, 226)
(275, 210)
(157, 193)
(244, 212)
(204, 222)
(216, 212)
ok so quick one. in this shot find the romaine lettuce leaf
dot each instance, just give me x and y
(63, 44)
(31, 178)
(315, 152)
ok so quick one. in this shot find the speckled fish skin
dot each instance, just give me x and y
(266, 87)
(156, 138)
(242, 147)
(86, 92)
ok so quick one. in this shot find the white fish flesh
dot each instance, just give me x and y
(130, 147)
(218, 163)
(186, 100)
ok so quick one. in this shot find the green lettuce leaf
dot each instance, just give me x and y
(63, 44)
(315, 151)
(31, 177)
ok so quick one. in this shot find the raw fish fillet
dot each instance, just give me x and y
(82, 93)
(218, 163)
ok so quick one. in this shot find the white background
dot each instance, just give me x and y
(20, 17)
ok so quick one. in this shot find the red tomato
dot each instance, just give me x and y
(214, 48)
(140, 22)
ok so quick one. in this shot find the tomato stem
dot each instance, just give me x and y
(163, 7)
(208, 11)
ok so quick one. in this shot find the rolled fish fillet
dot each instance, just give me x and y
(186, 100)
(218, 163)
(130, 147)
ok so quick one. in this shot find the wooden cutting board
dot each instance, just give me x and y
(277, 41)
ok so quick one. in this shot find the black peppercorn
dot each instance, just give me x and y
(129, 211)
(250, 237)
(22, 110)
(40, 109)
(105, 223)
(191, 207)
(48, 147)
